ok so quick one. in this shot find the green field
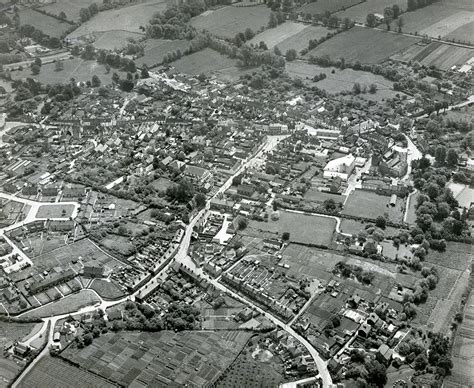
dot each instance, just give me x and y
(322, 6)
(371, 205)
(54, 372)
(66, 305)
(341, 80)
(226, 22)
(55, 211)
(77, 68)
(107, 289)
(352, 45)
(160, 359)
(47, 24)
(128, 19)
(306, 229)
(274, 36)
(156, 49)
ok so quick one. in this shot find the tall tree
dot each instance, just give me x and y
(371, 20)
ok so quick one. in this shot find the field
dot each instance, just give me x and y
(353, 45)
(70, 7)
(360, 11)
(76, 68)
(156, 49)
(208, 62)
(306, 229)
(55, 211)
(122, 19)
(274, 36)
(114, 40)
(49, 25)
(463, 349)
(83, 250)
(457, 256)
(68, 304)
(439, 20)
(162, 358)
(341, 80)
(106, 289)
(54, 372)
(371, 205)
(322, 6)
(226, 22)
(300, 40)
(463, 34)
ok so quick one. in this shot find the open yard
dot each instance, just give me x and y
(76, 68)
(353, 45)
(360, 11)
(55, 211)
(68, 304)
(49, 25)
(156, 49)
(160, 359)
(341, 80)
(371, 205)
(54, 372)
(208, 62)
(322, 6)
(306, 229)
(226, 22)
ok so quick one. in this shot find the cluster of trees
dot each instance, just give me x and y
(276, 18)
(313, 43)
(439, 354)
(243, 37)
(183, 192)
(319, 77)
(358, 89)
(389, 14)
(86, 13)
(349, 270)
(413, 5)
(39, 36)
(172, 56)
(111, 60)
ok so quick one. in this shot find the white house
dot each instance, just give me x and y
(341, 167)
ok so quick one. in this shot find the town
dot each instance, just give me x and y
(225, 194)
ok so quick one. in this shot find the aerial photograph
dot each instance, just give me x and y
(236, 193)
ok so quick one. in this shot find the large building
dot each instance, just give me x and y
(341, 167)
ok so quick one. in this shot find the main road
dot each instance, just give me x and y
(183, 258)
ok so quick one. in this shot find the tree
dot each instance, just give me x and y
(452, 158)
(242, 223)
(388, 17)
(201, 200)
(285, 236)
(356, 88)
(38, 61)
(411, 5)
(273, 22)
(249, 34)
(59, 66)
(84, 14)
(440, 155)
(291, 55)
(371, 20)
(95, 81)
(35, 69)
(144, 72)
(115, 78)
(62, 15)
(376, 374)
(396, 11)
(381, 222)
(372, 89)
(87, 338)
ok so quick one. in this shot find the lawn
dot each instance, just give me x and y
(118, 244)
(353, 45)
(208, 62)
(55, 211)
(70, 7)
(164, 358)
(66, 305)
(107, 289)
(371, 205)
(306, 229)
(156, 49)
(162, 184)
(274, 36)
(47, 24)
(322, 6)
(76, 68)
(226, 22)
(54, 372)
(122, 19)
(341, 80)
(360, 11)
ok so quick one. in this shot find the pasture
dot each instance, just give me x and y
(208, 62)
(360, 11)
(274, 36)
(341, 80)
(121, 19)
(306, 229)
(322, 6)
(70, 7)
(77, 68)
(49, 25)
(156, 49)
(226, 22)
(364, 45)
(54, 372)
(114, 40)
(371, 205)
(300, 40)
(160, 359)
